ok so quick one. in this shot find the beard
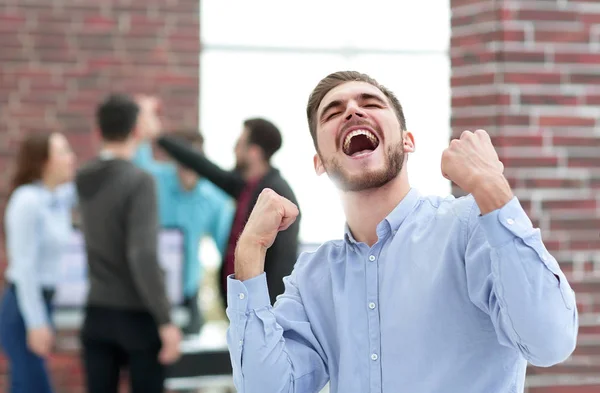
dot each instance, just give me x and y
(393, 163)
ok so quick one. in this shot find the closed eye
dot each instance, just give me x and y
(331, 116)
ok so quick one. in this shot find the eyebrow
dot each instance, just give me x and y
(360, 97)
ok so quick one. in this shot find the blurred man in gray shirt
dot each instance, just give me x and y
(128, 318)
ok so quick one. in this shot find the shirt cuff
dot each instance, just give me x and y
(252, 294)
(502, 225)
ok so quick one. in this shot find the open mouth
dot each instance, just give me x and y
(360, 142)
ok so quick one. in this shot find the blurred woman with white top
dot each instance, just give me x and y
(37, 227)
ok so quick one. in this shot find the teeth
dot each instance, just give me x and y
(354, 133)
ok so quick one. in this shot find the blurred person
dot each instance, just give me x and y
(259, 141)
(37, 227)
(193, 204)
(127, 320)
(425, 293)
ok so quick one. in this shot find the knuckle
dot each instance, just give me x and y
(466, 134)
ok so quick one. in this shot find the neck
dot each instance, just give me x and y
(364, 210)
(124, 150)
(49, 183)
(257, 171)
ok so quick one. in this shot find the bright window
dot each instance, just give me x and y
(263, 58)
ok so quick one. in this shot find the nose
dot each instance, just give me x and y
(353, 110)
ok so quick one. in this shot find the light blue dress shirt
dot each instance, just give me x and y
(204, 211)
(446, 301)
(38, 224)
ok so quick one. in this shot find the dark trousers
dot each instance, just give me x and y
(116, 339)
(27, 371)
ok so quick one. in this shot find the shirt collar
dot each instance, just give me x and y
(106, 155)
(393, 220)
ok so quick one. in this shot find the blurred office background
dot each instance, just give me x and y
(526, 71)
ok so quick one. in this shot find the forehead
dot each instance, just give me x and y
(349, 90)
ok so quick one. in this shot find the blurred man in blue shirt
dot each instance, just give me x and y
(194, 205)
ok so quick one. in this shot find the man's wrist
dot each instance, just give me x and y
(492, 193)
(249, 258)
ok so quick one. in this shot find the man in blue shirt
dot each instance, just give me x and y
(195, 206)
(423, 294)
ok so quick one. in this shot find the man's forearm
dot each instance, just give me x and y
(249, 259)
(532, 302)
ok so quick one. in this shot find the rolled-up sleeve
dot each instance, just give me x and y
(512, 276)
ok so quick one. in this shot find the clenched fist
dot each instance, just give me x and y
(471, 160)
(271, 214)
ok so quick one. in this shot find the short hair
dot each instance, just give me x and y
(336, 79)
(265, 135)
(33, 154)
(117, 117)
(189, 135)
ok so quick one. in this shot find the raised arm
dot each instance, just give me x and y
(142, 250)
(272, 350)
(513, 278)
(230, 182)
(22, 235)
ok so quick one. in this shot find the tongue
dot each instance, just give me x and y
(358, 153)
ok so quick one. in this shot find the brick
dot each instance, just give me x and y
(586, 79)
(574, 224)
(529, 162)
(524, 56)
(592, 99)
(559, 140)
(547, 15)
(548, 99)
(572, 204)
(472, 80)
(532, 78)
(481, 100)
(577, 58)
(560, 36)
(534, 183)
(473, 56)
(584, 162)
(479, 17)
(518, 140)
(566, 121)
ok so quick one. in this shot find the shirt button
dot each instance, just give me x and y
(510, 221)
(371, 258)
(544, 257)
(374, 356)
(241, 342)
(372, 306)
(241, 296)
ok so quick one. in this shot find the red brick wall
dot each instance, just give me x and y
(59, 58)
(528, 72)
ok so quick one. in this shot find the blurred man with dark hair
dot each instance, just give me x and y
(194, 205)
(127, 318)
(259, 141)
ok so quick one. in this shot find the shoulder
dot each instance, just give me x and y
(26, 194)
(320, 256)
(25, 198)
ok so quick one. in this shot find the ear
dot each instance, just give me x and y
(319, 168)
(408, 142)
